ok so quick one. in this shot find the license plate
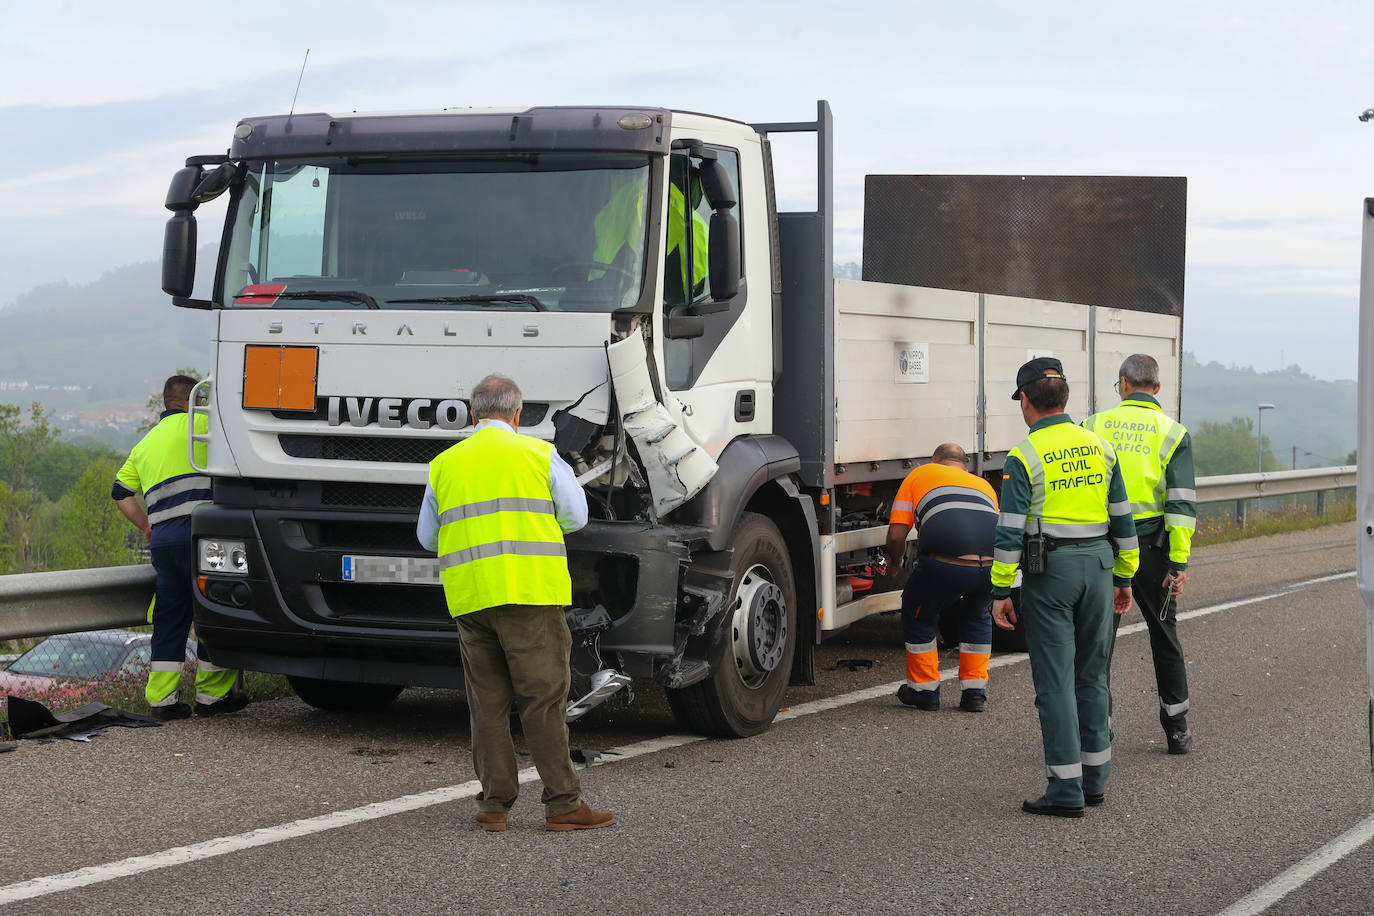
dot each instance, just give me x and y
(392, 570)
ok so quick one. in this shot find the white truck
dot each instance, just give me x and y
(740, 433)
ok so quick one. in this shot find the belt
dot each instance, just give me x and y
(1052, 543)
(961, 561)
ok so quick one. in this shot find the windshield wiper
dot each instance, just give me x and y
(524, 298)
(332, 295)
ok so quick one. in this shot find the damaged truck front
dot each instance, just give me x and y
(739, 420)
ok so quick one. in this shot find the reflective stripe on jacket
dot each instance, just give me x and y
(1067, 479)
(499, 539)
(160, 468)
(1156, 460)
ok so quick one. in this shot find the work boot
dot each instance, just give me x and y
(973, 700)
(170, 713)
(231, 703)
(583, 818)
(1043, 806)
(927, 700)
(492, 821)
(1180, 742)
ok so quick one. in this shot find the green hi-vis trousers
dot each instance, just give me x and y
(1067, 613)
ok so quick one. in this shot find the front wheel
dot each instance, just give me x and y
(750, 646)
(343, 696)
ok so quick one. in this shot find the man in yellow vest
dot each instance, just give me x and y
(619, 228)
(495, 510)
(1156, 457)
(159, 467)
(1064, 514)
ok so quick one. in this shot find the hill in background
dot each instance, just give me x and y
(94, 352)
(1315, 416)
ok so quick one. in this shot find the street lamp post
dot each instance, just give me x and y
(1259, 433)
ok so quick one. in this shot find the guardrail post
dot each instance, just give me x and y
(1321, 503)
(1240, 512)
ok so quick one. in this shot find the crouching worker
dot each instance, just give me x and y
(955, 513)
(160, 468)
(495, 510)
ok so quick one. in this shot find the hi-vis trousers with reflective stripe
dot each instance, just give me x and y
(174, 567)
(1067, 613)
(937, 588)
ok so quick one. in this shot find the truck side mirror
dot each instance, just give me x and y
(724, 258)
(181, 192)
(179, 238)
(179, 254)
(214, 184)
(681, 325)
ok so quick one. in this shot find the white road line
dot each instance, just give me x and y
(1260, 899)
(220, 846)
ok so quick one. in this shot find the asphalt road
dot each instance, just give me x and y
(848, 804)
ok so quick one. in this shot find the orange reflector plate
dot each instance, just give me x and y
(279, 378)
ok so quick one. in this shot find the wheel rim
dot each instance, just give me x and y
(758, 626)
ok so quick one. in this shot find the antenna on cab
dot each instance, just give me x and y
(298, 83)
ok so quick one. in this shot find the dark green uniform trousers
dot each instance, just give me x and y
(1067, 614)
(518, 654)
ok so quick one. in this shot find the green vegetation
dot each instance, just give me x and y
(1217, 523)
(1312, 423)
(55, 506)
(1229, 448)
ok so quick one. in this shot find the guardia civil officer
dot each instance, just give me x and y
(1156, 458)
(159, 467)
(495, 510)
(1064, 512)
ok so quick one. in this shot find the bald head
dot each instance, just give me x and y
(950, 454)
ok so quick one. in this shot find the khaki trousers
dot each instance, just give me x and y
(517, 654)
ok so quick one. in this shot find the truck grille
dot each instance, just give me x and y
(371, 495)
(363, 448)
(415, 605)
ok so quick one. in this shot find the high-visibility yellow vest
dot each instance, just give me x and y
(1070, 471)
(620, 223)
(159, 466)
(1144, 440)
(499, 539)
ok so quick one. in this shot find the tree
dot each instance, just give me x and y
(89, 530)
(21, 447)
(1229, 448)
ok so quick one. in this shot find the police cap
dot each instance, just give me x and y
(1034, 371)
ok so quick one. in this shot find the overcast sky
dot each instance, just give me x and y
(1254, 103)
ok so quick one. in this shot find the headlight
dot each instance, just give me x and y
(223, 557)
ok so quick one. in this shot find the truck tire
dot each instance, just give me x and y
(750, 646)
(343, 696)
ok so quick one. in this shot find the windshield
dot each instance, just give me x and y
(68, 656)
(519, 231)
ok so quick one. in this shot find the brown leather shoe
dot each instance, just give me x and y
(494, 821)
(583, 818)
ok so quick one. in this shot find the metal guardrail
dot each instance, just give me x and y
(76, 600)
(1273, 483)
